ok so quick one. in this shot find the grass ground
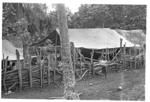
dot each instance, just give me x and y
(94, 88)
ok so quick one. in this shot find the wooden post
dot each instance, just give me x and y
(130, 53)
(74, 58)
(108, 55)
(113, 54)
(101, 55)
(73, 54)
(79, 51)
(4, 74)
(134, 57)
(41, 71)
(122, 73)
(30, 70)
(144, 52)
(121, 45)
(105, 52)
(68, 73)
(19, 69)
(24, 39)
(91, 68)
(55, 66)
(80, 59)
(48, 70)
(124, 53)
(139, 60)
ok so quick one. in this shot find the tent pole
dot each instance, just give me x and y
(91, 68)
(134, 57)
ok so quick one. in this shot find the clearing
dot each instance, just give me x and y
(95, 88)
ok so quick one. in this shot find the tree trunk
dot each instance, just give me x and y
(68, 73)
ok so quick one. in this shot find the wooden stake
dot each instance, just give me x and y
(144, 52)
(121, 46)
(122, 73)
(139, 59)
(74, 58)
(113, 54)
(134, 57)
(4, 75)
(30, 70)
(130, 55)
(108, 55)
(91, 68)
(80, 61)
(41, 71)
(49, 67)
(124, 53)
(105, 51)
(55, 66)
(19, 69)
(73, 54)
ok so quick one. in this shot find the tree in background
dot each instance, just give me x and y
(110, 16)
(39, 22)
(28, 22)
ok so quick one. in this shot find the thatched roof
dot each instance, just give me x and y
(8, 49)
(97, 38)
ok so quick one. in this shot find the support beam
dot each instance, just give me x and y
(135, 57)
(19, 69)
(121, 45)
(124, 53)
(40, 66)
(122, 73)
(48, 70)
(55, 65)
(30, 71)
(91, 68)
(130, 53)
(73, 54)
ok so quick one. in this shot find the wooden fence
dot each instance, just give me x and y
(28, 75)
(47, 70)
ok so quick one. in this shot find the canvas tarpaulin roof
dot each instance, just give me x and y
(135, 36)
(97, 38)
(8, 49)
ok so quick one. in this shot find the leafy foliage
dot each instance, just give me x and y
(110, 16)
(31, 19)
(38, 23)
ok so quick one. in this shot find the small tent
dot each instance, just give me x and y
(8, 49)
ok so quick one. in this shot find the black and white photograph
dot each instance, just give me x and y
(83, 51)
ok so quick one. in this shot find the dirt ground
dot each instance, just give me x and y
(95, 88)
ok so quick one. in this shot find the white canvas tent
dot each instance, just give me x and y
(135, 36)
(8, 49)
(97, 38)
(91, 38)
